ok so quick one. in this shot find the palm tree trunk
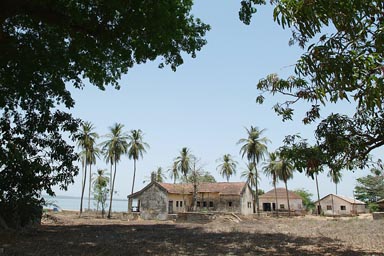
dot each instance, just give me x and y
(134, 175)
(286, 190)
(110, 178)
(318, 196)
(336, 187)
(257, 189)
(277, 205)
(82, 189)
(89, 189)
(113, 186)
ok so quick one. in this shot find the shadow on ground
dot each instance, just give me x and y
(162, 239)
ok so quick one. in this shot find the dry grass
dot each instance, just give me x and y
(67, 234)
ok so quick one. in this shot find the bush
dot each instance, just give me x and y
(21, 213)
(373, 207)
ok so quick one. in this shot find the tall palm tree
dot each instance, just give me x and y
(285, 172)
(114, 147)
(335, 177)
(184, 162)
(250, 175)
(136, 148)
(86, 139)
(270, 169)
(92, 154)
(173, 172)
(227, 168)
(254, 148)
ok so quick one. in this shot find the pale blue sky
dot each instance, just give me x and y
(206, 103)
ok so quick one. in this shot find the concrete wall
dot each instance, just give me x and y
(246, 206)
(154, 204)
(180, 202)
(333, 205)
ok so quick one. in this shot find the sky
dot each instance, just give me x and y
(207, 103)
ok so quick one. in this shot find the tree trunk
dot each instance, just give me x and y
(336, 187)
(110, 178)
(277, 205)
(113, 186)
(286, 190)
(257, 189)
(90, 185)
(134, 175)
(318, 196)
(82, 189)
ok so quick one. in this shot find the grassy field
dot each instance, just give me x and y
(67, 234)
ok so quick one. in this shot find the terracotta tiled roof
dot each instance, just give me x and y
(224, 188)
(281, 193)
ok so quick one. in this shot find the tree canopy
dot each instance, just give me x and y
(371, 187)
(47, 46)
(343, 61)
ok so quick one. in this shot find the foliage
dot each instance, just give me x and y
(48, 45)
(227, 168)
(33, 158)
(100, 188)
(136, 148)
(157, 176)
(308, 204)
(343, 61)
(373, 207)
(184, 162)
(173, 172)
(114, 147)
(254, 148)
(86, 140)
(370, 188)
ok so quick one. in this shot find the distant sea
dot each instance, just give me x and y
(73, 203)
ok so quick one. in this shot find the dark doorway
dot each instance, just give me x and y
(170, 207)
(266, 207)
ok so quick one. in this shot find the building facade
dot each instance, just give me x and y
(157, 200)
(268, 200)
(336, 205)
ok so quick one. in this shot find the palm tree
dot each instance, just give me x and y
(114, 147)
(270, 169)
(285, 172)
(100, 182)
(136, 148)
(86, 139)
(250, 175)
(173, 172)
(254, 148)
(93, 152)
(157, 176)
(184, 162)
(335, 177)
(227, 168)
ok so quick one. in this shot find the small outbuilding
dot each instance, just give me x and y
(157, 200)
(336, 205)
(267, 201)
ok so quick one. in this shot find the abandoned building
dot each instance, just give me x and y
(157, 200)
(267, 201)
(333, 205)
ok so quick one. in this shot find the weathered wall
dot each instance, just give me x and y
(154, 204)
(176, 199)
(246, 203)
(282, 203)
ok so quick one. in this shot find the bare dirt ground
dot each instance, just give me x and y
(67, 234)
